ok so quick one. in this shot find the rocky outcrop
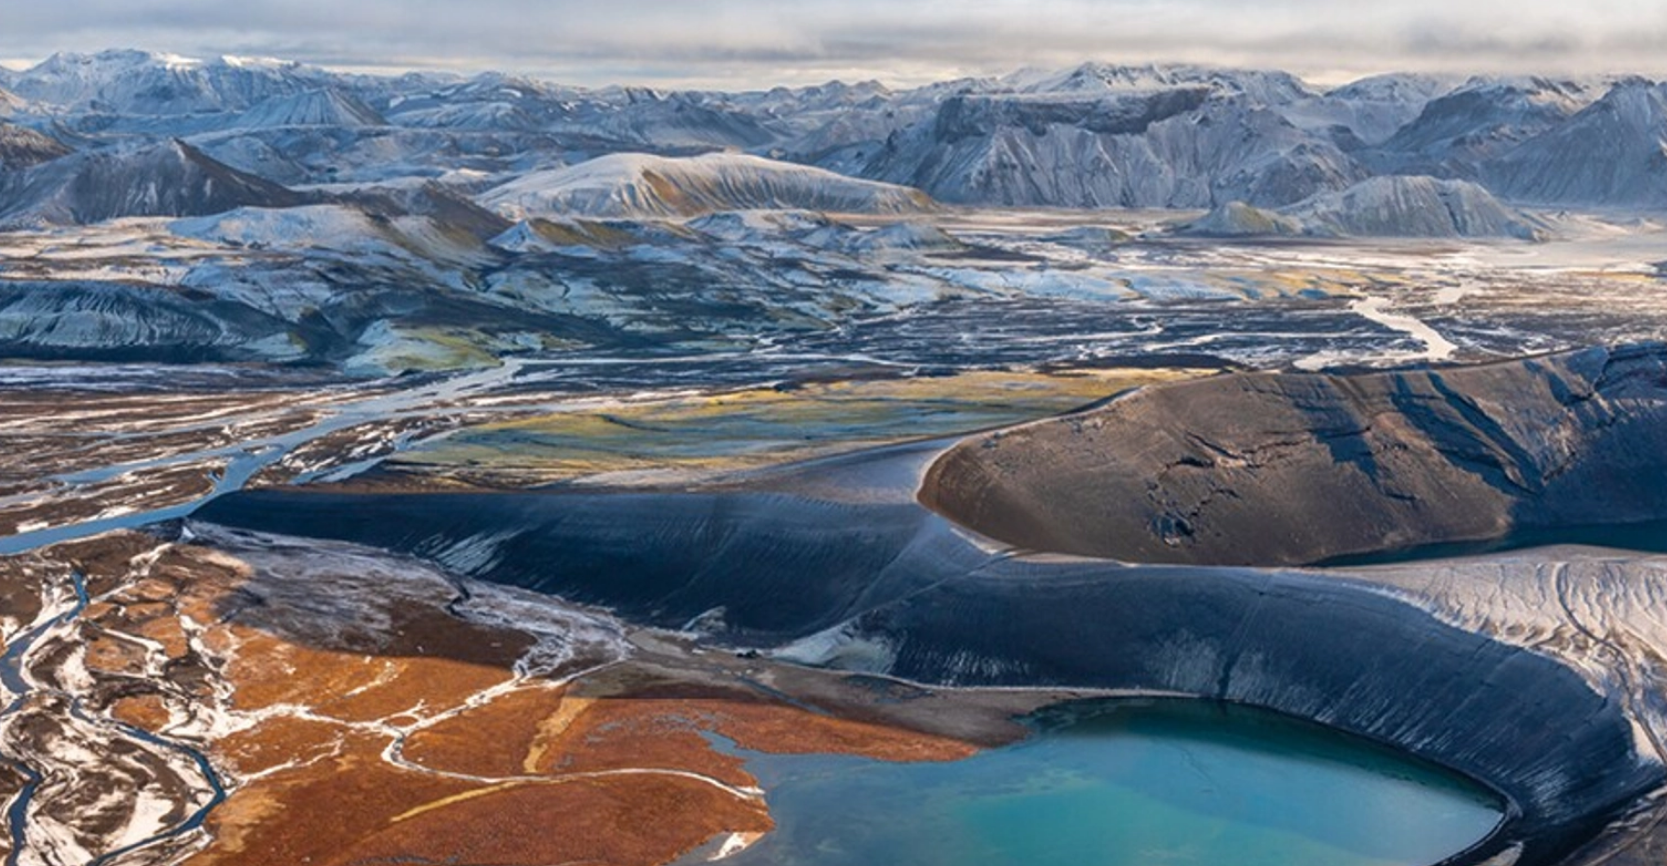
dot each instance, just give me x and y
(1267, 468)
(21, 147)
(1383, 207)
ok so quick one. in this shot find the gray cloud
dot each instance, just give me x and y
(738, 43)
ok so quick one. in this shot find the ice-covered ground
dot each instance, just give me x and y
(771, 290)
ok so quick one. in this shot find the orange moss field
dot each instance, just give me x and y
(357, 721)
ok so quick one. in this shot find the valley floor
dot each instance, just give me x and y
(188, 694)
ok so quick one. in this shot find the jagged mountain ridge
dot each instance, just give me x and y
(167, 179)
(1092, 136)
(22, 148)
(1614, 152)
(1185, 147)
(1459, 132)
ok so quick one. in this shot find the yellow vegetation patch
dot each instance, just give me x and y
(763, 426)
(551, 729)
(455, 798)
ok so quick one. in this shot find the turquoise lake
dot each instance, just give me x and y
(1129, 784)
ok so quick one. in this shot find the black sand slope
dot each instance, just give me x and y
(834, 563)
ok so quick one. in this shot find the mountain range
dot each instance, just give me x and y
(159, 208)
(1095, 136)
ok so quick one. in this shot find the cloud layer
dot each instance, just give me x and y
(738, 43)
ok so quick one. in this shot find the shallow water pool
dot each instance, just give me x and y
(1146, 783)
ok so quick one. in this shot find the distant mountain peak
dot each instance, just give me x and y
(1612, 152)
(169, 178)
(639, 185)
(130, 81)
(21, 147)
(1389, 206)
(325, 106)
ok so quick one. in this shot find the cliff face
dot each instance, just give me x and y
(1280, 469)
(1312, 646)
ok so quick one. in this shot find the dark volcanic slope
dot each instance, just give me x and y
(167, 179)
(884, 586)
(831, 563)
(1278, 469)
(773, 567)
(22, 148)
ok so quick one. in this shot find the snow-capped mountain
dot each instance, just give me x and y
(1369, 111)
(22, 148)
(1393, 206)
(1420, 207)
(146, 83)
(167, 179)
(1179, 147)
(670, 121)
(1614, 152)
(640, 185)
(1262, 87)
(1480, 121)
(322, 107)
(1099, 136)
(1094, 136)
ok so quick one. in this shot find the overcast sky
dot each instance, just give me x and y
(756, 43)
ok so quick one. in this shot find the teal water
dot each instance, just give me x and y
(1129, 784)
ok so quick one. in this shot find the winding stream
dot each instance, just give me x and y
(16, 682)
(195, 819)
(14, 676)
(247, 459)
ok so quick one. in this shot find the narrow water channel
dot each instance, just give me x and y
(15, 677)
(245, 460)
